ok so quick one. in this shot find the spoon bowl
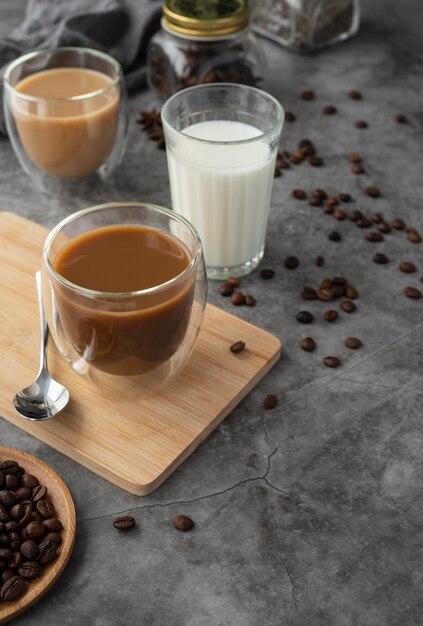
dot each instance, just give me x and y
(45, 397)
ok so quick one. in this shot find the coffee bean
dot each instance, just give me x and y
(308, 293)
(315, 161)
(45, 508)
(358, 169)
(412, 292)
(407, 268)
(330, 110)
(340, 215)
(4, 465)
(15, 560)
(299, 194)
(270, 402)
(16, 512)
(52, 525)
(319, 193)
(2, 478)
(326, 283)
(305, 317)
(414, 236)
(4, 515)
(250, 300)
(47, 551)
(126, 522)
(7, 498)
(28, 480)
(297, 157)
(237, 347)
(315, 201)
(348, 306)
(35, 530)
(356, 215)
(35, 517)
(182, 522)
(29, 549)
(353, 343)
(290, 116)
(11, 526)
(339, 280)
(326, 295)
(308, 94)
(361, 124)
(306, 146)
(351, 293)
(363, 222)
(237, 298)
(23, 493)
(345, 197)
(338, 290)
(334, 236)
(4, 540)
(11, 482)
(331, 315)
(355, 95)
(56, 538)
(400, 118)
(329, 209)
(331, 361)
(267, 273)
(7, 573)
(376, 218)
(30, 570)
(374, 236)
(373, 192)
(226, 290)
(291, 262)
(355, 157)
(332, 200)
(234, 281)
(308, 344)
(14, 469)
(5, 554)
(398, 224)
(320, 261)
(380, 258)
(384, 228)
(39, 493)
(12, 589)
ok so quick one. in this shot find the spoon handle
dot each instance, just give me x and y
(44, 332)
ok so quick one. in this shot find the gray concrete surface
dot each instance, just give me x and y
(309, 514)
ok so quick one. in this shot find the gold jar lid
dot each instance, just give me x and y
(205, 18)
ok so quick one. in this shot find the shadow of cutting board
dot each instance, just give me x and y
(135, 444)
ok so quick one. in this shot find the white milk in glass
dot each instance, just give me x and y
(223, 189)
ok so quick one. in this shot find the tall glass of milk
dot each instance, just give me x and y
(221, 143)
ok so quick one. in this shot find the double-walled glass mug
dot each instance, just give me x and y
(66, 114)
(124, 289)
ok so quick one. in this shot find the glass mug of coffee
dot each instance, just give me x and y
(66, 113)
(124, 289)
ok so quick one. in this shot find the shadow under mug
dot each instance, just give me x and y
(66, 114)
(146, 336)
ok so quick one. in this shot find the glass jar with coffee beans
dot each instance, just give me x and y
(203, 41)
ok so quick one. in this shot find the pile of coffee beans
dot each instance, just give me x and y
(30, 532)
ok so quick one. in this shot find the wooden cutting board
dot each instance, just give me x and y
(134, 443)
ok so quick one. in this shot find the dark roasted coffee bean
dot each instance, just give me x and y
(39, 493)
(7, 573)
(330, 110)
(339, 280)
(250, 300)
(331, 361)
(348, 306)
(353, 343)
(363, 222)
(412, 292)
(234, 281)
(30, 570)
(267, 272)
(29, 550)
(355, 157)
(226, 289)
(35, 530)
(351, 293)
(334, 236)
(308, 94)
(356, 215)
(15, 545)
(11, 482)
(16, 512)
(7, 498)
(52, 525)
(237, 298)
(376, 218)
(340, 215)
(15, 560)
(338, 290)
(299, 194)
(308, 293)
(290, 116)
(4, 515)
(305, 317)
(297, 157)
(237, 347)
(315, 160)
(398, 224)
(126, 522)
(345, 197)
(15, 535)
(358, 169)
(12, 589)
(355, 95)
(47, 551)
(329, 209)
(182, 522)
(54, 537)
(4, 540)
(320, 193)
(414, 236)
(4, 465)
(2, 477)
(11, 526)
(373, 192)
(320, 261)
(400, 118)
(315, 201)
(45, 508)
(23, 493)
(308, 344)
(374, 236)
(16, 470)
(332, 200)
(326, 283)
(407, 268)
(384, 228)
(270, 402)
(331, 315)
(361, 124)
(380, 258)
(5, 554)
(291, 263)
(324, 294)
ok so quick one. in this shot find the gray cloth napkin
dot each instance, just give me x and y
(122, 28)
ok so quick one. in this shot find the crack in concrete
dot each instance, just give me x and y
(282, 560)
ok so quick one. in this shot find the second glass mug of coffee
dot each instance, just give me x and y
(66, 114)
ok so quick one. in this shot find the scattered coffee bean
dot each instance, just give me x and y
(400, 118)
(363, 222)
(182, 522)
(413, 236)
(374, 236)
(237, 298)
(320, 261)
(267, 273)
(376, 218)
(358, 169)
(355, 95)
(351, 293)
(398, 224)
(308, 344)
(340, 215)
(339, 280)
(319, 193)
(305, 317)
(297, 157)
(233, 281)
(126, 522)
(12, 589)
(316, 201)
(299, 194)
(334, 236)
(384, 228)
(332, 201)
(329, 209)
(326, 283)
(338, 290)
(325, 294)
(290, 116)
(330, 110)
(308, 293)
(373, 192)
(412, 292)
(380, 258)
(237, 347)
(348, 306)
(407, 268)
(308, 94)
(291, 262)
(361, 124)
(226, 290)
(331, 361)
(345, 197)
(270, 402)
(355, 157)
(331, 315)
(250, 300)
(315, 160)
(353, 343)
(356, 215)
